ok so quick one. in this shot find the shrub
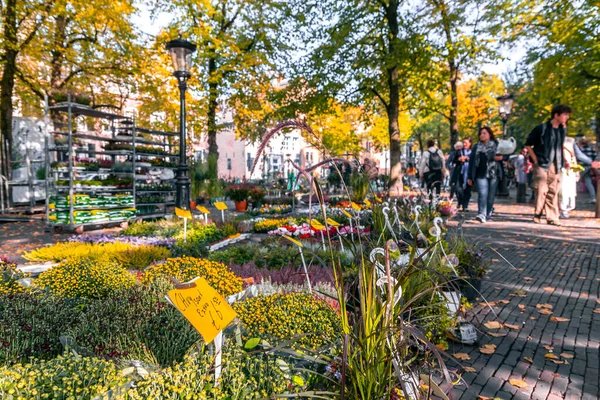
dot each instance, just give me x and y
(86, 278)
(141, 256)
(244, 376)
(65, 377)
(218, 275)
(282, 316)
(9, 275)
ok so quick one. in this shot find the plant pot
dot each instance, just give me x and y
(470, 288)
(241, 205)
(192, 205)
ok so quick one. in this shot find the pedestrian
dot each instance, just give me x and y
(545, 146)
(585, 154)
(568, 179)
(483, 171)
(460, 175)
(432, 167)
(451, 165)
(522, 166)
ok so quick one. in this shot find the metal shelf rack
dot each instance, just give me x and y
(118, 125)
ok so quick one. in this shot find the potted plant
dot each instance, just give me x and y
(257, 195)
(239, 194)
(472, 265)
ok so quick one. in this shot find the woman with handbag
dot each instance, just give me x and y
(483, 170)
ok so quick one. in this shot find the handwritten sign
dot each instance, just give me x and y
(203, 307)
(181, 213)
(291, 239)
(333, 223)
(203, 209)
(221, 206)
(316, 224)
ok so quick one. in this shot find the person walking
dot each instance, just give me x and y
(585, 154)
(483, 171)
(545, 146)
(568, 179)
(521, 168)
(460, 175)
(451, 166)
(432, 167)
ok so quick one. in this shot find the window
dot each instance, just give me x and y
(229, 164)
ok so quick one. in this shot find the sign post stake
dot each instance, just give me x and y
(297, 243)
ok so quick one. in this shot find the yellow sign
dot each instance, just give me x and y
(206, 309)
(291, 239)
(355, 206)
(333, 223)
(367, 203)
(221, 206)
(202, 209)
(180, 212)
(316, 224)
(346, 213)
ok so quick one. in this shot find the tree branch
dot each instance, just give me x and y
(29, 84)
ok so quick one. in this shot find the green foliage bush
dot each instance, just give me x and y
(9, 275)
(86, 278)
(244, 376)
(282, 316)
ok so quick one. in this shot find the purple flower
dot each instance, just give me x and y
(134, 240)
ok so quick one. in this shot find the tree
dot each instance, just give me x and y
(84, 47)
(565, 58)
(462, 33)
(237, 42)
(477, 103)
(21, 22)
(371, 54)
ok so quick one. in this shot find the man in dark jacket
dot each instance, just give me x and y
(545, 143)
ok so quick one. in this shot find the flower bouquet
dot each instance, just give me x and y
(446, 209)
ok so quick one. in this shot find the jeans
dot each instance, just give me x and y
(589, 185)
(434, 181)
(487, 193)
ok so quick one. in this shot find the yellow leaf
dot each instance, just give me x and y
(469, 369)
(559, 319)
(528, 359)
(551, 356)
(498, 334)
(514, 327)
(461, 356)
(518, 383)
(545, 311)
(567, 355)
(493, 325)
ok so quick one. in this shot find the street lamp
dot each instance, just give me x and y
(181, 52)
(505, 105)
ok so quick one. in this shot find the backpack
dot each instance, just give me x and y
(435, 161)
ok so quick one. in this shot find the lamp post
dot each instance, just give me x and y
(505, 104)
(181, 52)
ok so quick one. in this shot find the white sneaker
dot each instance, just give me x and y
(480, 218)
(564, 214)
(593, 201)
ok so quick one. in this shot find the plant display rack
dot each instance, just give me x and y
(130, 177)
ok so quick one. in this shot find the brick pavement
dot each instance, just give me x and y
(544, 264)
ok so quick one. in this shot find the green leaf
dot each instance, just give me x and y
(251, 343)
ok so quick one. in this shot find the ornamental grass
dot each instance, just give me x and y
(218, 275)
(283, 316)
(128, 255)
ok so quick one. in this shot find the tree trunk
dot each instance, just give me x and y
(7, 84)
(213, 88)
(393, 107)
(56, 60)
(597, 214)
(453, 104)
